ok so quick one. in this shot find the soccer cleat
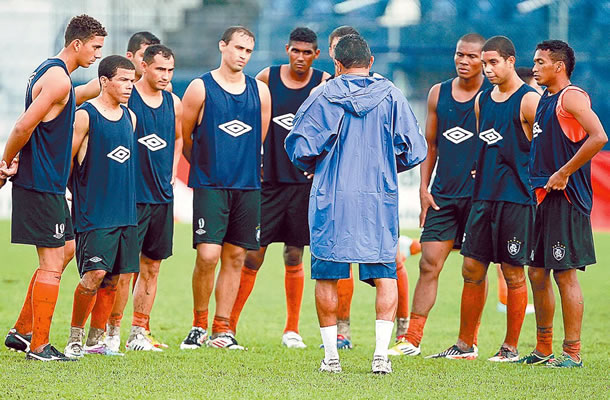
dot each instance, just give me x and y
(74, 350)
(101, 349)
(140, 343)
(564, 361)
(195, 339)
(333, 365)
(224, 341)
(403, 347)
(344, 343)
(293, 340)
(505, 355)
(534, 359)
(113, 342)
(154, 341)
(530, 309)
(15, 341)
(381, 365)
(454, 353)
(48, 353)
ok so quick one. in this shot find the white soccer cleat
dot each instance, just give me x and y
(404, 348)
(333, 365)
(195, 339)
(74, 350)
(381, 365)
(113, 342)
(140, 343)
(224, 341)
(293, 340)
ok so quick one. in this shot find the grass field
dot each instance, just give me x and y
(267, 370)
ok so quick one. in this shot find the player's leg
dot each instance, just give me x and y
(106, 294)
(402, 310)
(294, 282)
(345, 292)
(253, 262)
(572, 307)
(502, 289)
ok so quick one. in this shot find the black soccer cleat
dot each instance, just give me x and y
(15, 341)
(48, 353)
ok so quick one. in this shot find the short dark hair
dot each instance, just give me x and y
(109, 65)
(353, 51)
(525, 73)
(84, 28)
(228, 34)
(139, 38)
(472, 38)
(560, 51)
(153, 50)
(342, 31)
(304, 34)
(502, 45)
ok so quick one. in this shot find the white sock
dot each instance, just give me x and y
(383, 335)
(329, 339)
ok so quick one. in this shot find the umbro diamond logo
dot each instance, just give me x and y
(59, 231)
(235, 128)
(95, 259)
(536, 129)
(153, 142)
(200, 224)
(490, 136)
(286, 121)
(120, 154)
(457, 135)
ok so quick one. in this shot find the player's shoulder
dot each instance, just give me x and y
(55, 78)
(573, 95)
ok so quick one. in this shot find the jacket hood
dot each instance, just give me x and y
(357, 94)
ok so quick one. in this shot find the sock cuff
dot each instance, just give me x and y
(384, 322)
(248, 271)
(294, 268)
(48, 277)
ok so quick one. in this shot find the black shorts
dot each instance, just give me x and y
(563, 238)
(499, 231)
(156, 230)
(284, 214)
(227, 215)
(449, 222)
(39, 218)
(114, 250)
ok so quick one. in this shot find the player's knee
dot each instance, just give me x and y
(514, 276)
(254, 259)
(207, 259)
(429, 268)
(92, 280)
(111, 280)
(473, 273)
(293, 255)
(51, 259)
(565, 278)
(149, 269)
(538, 278)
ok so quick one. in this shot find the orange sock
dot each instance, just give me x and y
(502, 289)
(24, 322)
(115, 319)
(84, 300)
(345, 291)
(103, 306)
(403, 291)
(515, 312)
(473, 301)
(200, 319)
(246, 284)
(544, 340)
(140, 319)
(475, 340)
(572, 348)
(220, 325)
(44, 297)
(294, 281)
(415, 332)
(147, 327)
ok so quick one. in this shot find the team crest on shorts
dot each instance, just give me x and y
(514, 246)
(59, 231)
(200, 224)
(559, 251)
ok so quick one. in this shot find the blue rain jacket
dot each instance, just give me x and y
(355, 134)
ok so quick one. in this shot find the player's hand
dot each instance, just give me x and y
(2, 182)
(426, 201)
(8, 171)
(557, 181)
(308, 175)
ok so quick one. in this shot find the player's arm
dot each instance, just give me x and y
(134, 120)
(55, 87)
(193, 103)
(529, 104)
(81, 131)
(88, 91)
(425, 197)
(263, 76)
(577, 104)
(179, 140)
(265, 97)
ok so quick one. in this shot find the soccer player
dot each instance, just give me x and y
(104, 220)
(527, 76)
(567, 134)
(452, 145)
(42, 137)
(285, 189)
(227, 112)
(502, 213)
(355, 134)
(158, 149)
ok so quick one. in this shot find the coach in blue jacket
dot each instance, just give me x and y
(355, 134)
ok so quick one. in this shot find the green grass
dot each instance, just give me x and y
(267, 370)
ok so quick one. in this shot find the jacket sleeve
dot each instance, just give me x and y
(315, 130)
(410, 145)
